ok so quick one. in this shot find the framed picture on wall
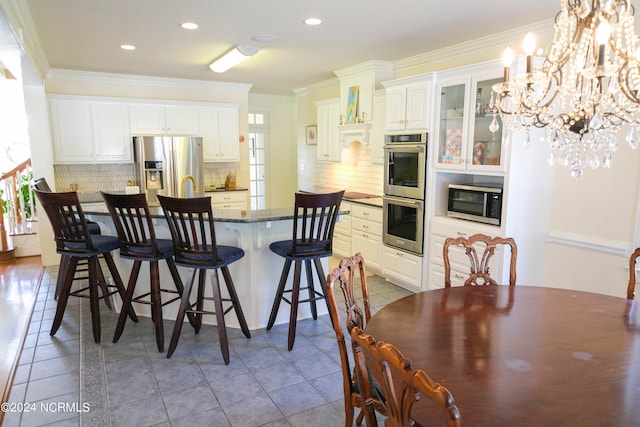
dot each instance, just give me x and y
(312, 134)
(352, 105)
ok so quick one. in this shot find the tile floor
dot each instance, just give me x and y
(68, 380)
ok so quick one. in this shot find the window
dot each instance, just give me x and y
(258, 131)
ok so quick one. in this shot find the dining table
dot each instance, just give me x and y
(521, 355)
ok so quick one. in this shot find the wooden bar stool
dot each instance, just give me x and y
(315, 217)
(82, 271)
(74, 242)
(194, 244)
(138, 242)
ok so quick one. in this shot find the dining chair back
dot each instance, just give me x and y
(631, 286)
(315, 216)
(191, 224)
(479, 264)
(401, 383)
(138, 243)
(73, 243)
(344, 276)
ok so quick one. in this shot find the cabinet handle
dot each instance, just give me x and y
(365, 226)
(458, 276)
(399, 253)
(365, 235)
(365, 213)
(460, 233)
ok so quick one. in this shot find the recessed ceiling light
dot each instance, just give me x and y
(313, 21)
(127, 47)
(265, 38)
(189, 26)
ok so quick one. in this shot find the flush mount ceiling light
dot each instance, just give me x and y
(587, 87)
(189, 26)
(127, 47)
(233, 57)
(313, 21)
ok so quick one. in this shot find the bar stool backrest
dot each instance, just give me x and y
(315, 217)
(192, 230)
(132, 219)
(67, 219)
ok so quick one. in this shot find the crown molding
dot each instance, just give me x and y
(127, 79)
(325, 84)
(544, 30)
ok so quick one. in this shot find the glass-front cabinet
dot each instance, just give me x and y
(469, 130)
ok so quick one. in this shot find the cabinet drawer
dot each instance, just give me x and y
(363, 226)
(436, 277)
(229, 199)
(368, 213)
(343, 225)
(402, 268)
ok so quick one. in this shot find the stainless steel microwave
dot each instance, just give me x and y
(476, 203)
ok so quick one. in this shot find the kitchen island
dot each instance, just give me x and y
(255, 276)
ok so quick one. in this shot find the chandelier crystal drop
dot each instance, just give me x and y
(586, 88)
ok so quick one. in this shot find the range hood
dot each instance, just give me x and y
(356, 132)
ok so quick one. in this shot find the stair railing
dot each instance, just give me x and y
(18, 202)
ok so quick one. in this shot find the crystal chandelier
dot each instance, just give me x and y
(586, 88)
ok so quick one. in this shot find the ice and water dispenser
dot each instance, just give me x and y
(153, 175)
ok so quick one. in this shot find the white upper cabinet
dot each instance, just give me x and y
(468, 133)
(329, 147)
(150, 119)
(111, 132)
(89, 131)
(220, 130)
(408, 104)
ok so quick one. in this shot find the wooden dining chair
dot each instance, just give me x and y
(344, 276)
(315, 216)
(479, 265)
(631, 287)
(386, 365)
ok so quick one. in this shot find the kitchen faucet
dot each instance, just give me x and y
(193, 180)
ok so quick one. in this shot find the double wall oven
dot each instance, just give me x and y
(405, 158)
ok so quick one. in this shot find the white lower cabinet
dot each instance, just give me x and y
(342, 232)
(402, 268)
(229, 200)
(366, 234)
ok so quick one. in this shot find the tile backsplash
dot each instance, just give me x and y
(361, 175)
(113, 177)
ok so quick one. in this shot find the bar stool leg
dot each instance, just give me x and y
(94, 299)
(222, 328)
(118, 282)
(126, 300)
(295, 296)
(202, 278)
(323, 284)
(235, 301)
(156, 304)
(279, 293)
(178, 282)
(67, 281)
(310, 289)
(184, 304)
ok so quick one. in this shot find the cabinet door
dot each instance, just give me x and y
(328, 148)
(396, 105)
(229, 133)
(72, 131)
(416, 110)
(111, 132)
(181, 120)
(452, 125)
(147, 120)
(486, 148)
(219, 128)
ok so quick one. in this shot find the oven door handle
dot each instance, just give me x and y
(404, 148)
(403, 201)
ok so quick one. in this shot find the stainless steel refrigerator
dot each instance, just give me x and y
(169, 166)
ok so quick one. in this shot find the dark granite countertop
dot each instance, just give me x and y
(220, 215)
